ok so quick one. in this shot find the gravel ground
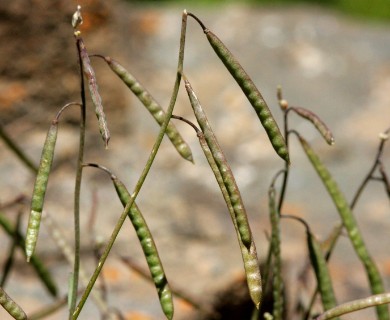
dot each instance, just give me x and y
(337, 67)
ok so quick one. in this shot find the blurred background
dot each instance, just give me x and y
(332, 57)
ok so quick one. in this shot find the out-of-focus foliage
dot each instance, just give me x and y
(363, 9)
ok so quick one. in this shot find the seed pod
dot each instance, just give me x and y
(249, 256)
(321, 271)
(350, 224)
(250, 90)
(223, 167)
(151, 105)
(40, 189)
(317, 122)
(11, 306)
(278, 304)
(93, 88)
(147, 243)
(149, 248)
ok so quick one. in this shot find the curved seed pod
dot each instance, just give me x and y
(149, 248)
(321, 271)
(40, 189)
(278, 305)
(249, 256)
(355, 305)
(345, 212)
(147, 243)
(250, 90)
(93, 88)
(317, 122)
(151, 105)
(11, 306)
(223, 167)
(252, 271)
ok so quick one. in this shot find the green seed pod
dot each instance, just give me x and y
(278, 305)
(149, 248)
(252, 271)
(224, 168)
(151, 105)
(250, 90)
(249, 256)
(317, 122)
(350, 224)
(321, 271)
(147, 243)
(11, 306)
(40, 189)
(93, 88)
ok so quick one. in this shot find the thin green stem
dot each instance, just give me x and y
(42, 272)
(286, 165)
(370, 173)
(144, 173)
(356, 305)
(350, 224)
(18, 151)
(77, 191)
(11, 255)
(268, 262)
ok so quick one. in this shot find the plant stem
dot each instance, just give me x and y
(356, 305)
(79, 172)
(18, 151)
(369, 176)
(144, 173)
(286, 165)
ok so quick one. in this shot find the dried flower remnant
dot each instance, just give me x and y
(77, 18)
